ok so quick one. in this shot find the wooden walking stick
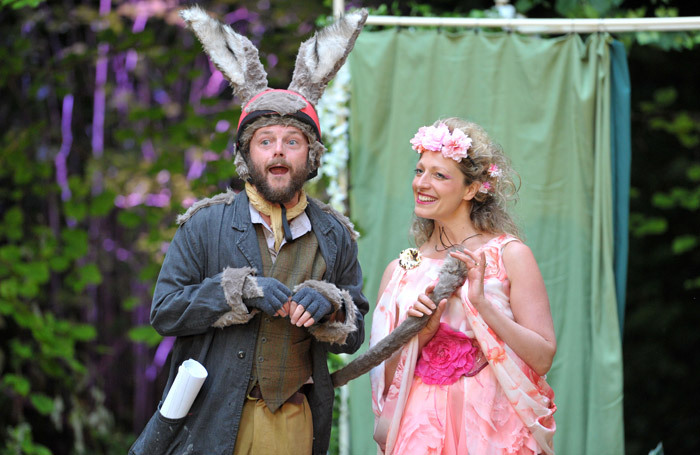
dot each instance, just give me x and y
(452, 275)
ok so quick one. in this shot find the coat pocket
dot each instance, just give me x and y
(161, 436)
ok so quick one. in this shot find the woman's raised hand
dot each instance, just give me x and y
(476, 269)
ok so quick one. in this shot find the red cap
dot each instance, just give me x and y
(307, 114)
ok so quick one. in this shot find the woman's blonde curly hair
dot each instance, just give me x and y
(489, 211)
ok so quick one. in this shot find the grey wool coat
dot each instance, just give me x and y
(193, 301)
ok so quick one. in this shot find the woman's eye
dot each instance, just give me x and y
(440, 176)
(418, 171)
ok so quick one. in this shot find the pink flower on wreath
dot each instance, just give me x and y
(455, 146)
(434, 136)
(495, 171)
(485, 187)
(448, 356)
(417, 141)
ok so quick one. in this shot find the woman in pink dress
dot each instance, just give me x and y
(473, 381)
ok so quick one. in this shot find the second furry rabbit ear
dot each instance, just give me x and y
(321, 56)
(233, 54)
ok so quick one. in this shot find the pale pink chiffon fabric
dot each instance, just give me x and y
(505, 409)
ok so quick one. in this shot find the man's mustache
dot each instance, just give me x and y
(278, 162)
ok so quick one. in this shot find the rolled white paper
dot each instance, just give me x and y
(189, 379)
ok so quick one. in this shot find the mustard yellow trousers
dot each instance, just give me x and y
(289, 431)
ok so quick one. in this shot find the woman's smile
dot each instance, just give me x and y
(425, 199)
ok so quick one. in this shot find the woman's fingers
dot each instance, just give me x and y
(425, 300)
(470, 259)
(422, 306)
(418, 310)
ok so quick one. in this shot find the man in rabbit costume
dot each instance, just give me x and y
(260, 286)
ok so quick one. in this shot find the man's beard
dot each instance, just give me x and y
(278, 195)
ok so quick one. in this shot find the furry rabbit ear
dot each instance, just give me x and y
(233, 54)
(321, 56)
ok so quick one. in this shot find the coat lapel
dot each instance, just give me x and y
(246, 241)
(321, 227)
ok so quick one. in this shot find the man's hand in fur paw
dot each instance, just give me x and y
(308, 306)
(275, 295)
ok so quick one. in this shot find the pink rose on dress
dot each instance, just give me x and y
(448, 356)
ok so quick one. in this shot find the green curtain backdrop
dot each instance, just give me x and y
(621, 167)
(548, 102)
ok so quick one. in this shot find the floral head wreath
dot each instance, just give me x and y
(453, 145)
(438, 138)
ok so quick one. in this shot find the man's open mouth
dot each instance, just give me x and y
(278, 170)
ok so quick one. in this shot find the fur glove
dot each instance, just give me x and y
(274, 294)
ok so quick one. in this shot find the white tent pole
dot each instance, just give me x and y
(338, 7)
(547, 25)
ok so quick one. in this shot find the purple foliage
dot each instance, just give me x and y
(43, 92)
(108, 244)
(222, 126)
(128, 201)
(163, 177)
(98, 119)
(305, 28)
(62, 156)
(105, 7)
(140, 22)
(148, 151)
(188, 202)
(123, 254)
(161, 96)
(196, 169)
(241, 14)
(163, 350)
(161, 199)
(272, 60)
(216, 82)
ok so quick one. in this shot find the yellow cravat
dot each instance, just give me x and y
(274, 211)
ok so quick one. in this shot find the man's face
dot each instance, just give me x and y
(278, 158)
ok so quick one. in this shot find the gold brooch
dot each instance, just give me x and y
(409, 258)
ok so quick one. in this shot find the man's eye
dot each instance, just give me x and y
(293, 142)
(265, 142)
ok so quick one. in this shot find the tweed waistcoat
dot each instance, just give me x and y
(283, 351)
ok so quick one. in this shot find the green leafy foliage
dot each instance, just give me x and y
(42, 403)
(664, 263)
(87, 206)
(17, 4)
(19, 441)
(145, 334)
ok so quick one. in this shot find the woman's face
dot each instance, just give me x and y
(439, 190)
